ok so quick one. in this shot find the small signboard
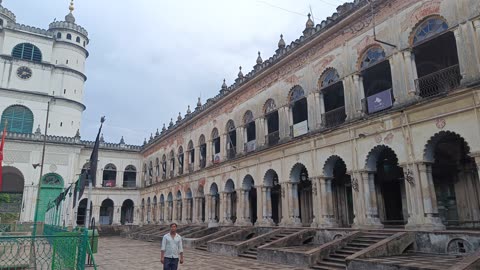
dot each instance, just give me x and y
(250, 146)
(380, 101)
(216, 158)
(300, 129)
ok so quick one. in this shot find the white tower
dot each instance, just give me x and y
(39, 66)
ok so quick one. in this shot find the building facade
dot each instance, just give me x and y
(43, 72)
(370, 119)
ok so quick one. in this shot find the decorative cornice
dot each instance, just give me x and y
(74, 141)
(343, 11)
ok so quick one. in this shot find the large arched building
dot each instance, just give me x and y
(361, 122)
(44, 70)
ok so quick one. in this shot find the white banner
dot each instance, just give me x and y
(300, 128)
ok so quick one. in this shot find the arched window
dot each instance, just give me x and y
(215, 146)
(130, 177)
(299, 109)
(20, 119)
(172, 164)
(59, 35)
(69, 36)
(180, 160)
(27, 51)
(333, 98)
(377, 80)
(428, 29)
(436, 58)
(164, 167)
(77, 39)
(157, 167)
(250, 131)
(271, 115)
(191, 156)
(109, 175)
(231, 139)
(203, 151)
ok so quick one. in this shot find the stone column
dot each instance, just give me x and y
(265, 217)
(228, 208)
(321, 109)
(432, 220)
(240, 208)
(327, 219)
(223, 147)
(195, 202)
(359, 94)
(260, 131)
(371, 204)
(414, 215)
(240, 139)
(313, 112)
(349, 91)
(476, 43)
(410, 73)
(96, 213)
(284, 126)
(184, 213)
(467, 56)
(223, 208)
(119, 179)
(296, 221)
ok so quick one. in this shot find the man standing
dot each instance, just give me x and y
(172, 249)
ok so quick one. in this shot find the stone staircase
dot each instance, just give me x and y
(252, 253)
(419, 260)
(336, 259)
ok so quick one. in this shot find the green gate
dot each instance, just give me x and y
(52, 186)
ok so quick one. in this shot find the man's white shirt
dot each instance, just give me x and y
(172, 246)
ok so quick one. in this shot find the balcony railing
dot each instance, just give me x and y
(172, 174)
(203, 163)
(108, 183)
(129, 184)
(191, 167)
(334, 117)
(231, 153)
(439, 82)
(272, 138)
(180, 170)
(250, 146)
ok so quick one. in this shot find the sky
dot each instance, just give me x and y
(150, 59)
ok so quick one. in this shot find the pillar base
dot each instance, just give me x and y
(226, 223)
(327, 223)
(243, 223)
(213, 224)
(265, 222)
(292, 222)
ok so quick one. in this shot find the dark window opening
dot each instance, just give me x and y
(216, 145)
(180, 163)
(78, 40)
(69, 36)
(437, 65)
(334, 102)
(203, 155)
(109, 176)
(251, 130)
(300, 111)
(59, 35)
(231, 143)
(272, 128)
(377, 84)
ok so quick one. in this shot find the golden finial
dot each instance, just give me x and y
(72, 7)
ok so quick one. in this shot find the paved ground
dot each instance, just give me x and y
(116, 253)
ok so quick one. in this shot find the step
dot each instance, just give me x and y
(344, 252)
(330, 258)
(339, 256)
(324, 267)
(251, 252)
(359, 245)
(332, 264)
(367, 241)
(248, 256)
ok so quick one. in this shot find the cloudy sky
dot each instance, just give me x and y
(149, 59)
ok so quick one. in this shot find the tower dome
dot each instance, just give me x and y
(69, 24)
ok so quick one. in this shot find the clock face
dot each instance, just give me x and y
(24, 73)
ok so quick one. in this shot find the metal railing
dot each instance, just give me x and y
(231, 153)
(334, 117)
(129, 184)
(57, 249)
(439, 82)
(203, 163)
(272, 138)
(191, 167)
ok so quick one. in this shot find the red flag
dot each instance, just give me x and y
(1, 153)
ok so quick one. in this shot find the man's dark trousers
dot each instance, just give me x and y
(170, 264)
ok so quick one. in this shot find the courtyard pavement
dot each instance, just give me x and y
(122, 253)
